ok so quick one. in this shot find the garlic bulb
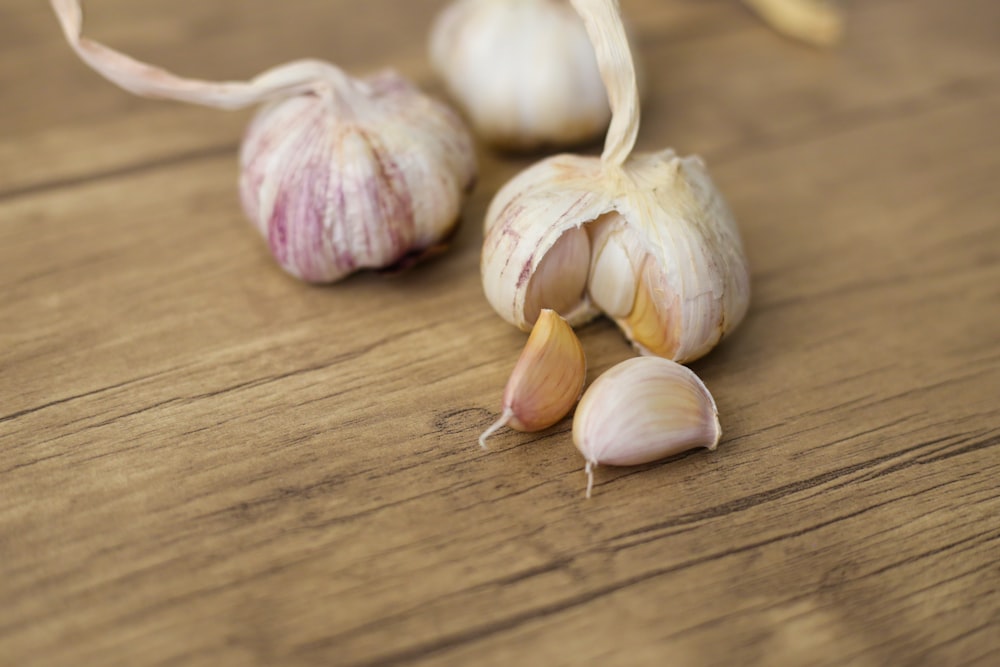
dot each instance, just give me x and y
(643, 410)
(664, 257)
(523, 70)
(547, 380)
(338, 173)
(814, 21)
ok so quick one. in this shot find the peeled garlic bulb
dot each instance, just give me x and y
(643, 410)
(523, 70)
(338, 174)
(547, 379)
(666, 261)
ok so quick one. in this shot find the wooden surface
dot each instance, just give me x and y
(205, 462)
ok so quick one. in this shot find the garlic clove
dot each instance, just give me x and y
(523, 71)
(642, 410)
(529, 216)
(653, 324)
(613, 271)
(560, 279)
(547, 379)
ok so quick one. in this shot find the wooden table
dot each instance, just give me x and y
(206, 462)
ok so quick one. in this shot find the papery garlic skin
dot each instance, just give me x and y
(524, 71)
(336, 185)
(690, 274)
(643, 410)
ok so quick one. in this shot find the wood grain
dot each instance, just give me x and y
(205, 462)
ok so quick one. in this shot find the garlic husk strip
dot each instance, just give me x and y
(602, 19)
(643, 410)
(302, 76)
(547, 379)
(816, 22)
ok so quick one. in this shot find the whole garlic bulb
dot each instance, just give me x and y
(646, 238)
(524, 71)
(338, 173)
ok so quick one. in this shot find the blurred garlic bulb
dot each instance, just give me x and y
(338, 173)
(523, 70)
(817, 22)
(646, 239)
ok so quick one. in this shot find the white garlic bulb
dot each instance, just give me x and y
(643, 410)
(664, 257)
(524, 71)
(338, 173)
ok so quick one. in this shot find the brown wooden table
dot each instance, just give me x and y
(205, 462)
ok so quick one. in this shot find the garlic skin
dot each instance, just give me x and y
(362, 181)
(547, 379)
(523, 71)
(338, 173)
(680, 253)
(642, 410)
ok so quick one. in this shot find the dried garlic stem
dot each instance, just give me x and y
(814, 21)
(301, 76)
(614, 60)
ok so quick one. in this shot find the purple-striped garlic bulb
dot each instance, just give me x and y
(337, 173)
